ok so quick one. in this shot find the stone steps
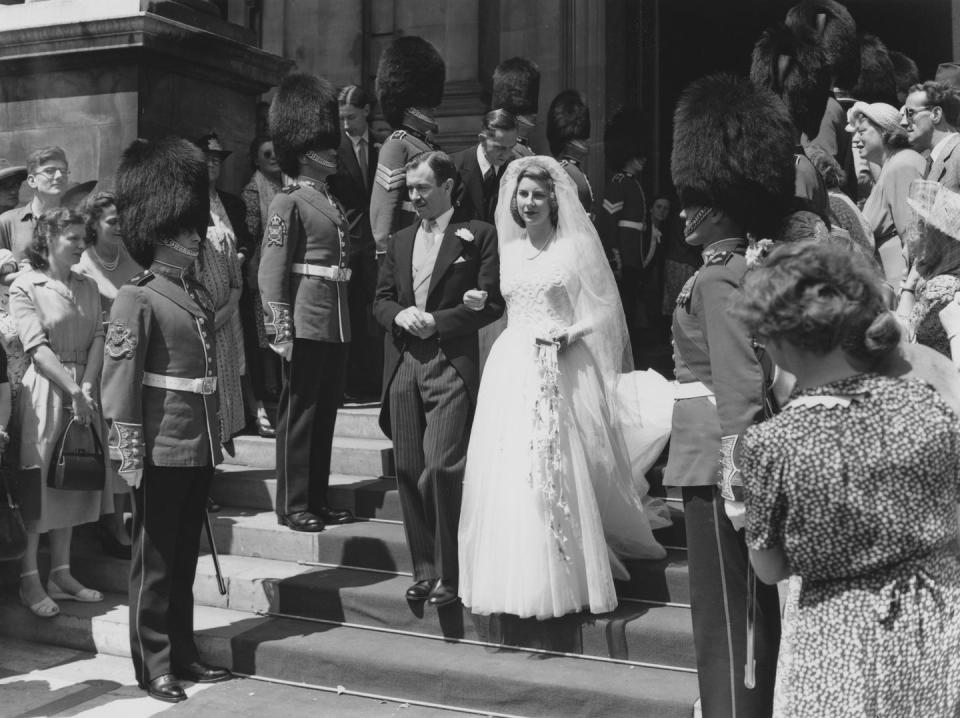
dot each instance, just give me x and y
(454, 673)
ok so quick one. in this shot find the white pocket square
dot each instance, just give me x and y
(459, 259)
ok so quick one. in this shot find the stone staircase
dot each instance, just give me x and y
(328, 609)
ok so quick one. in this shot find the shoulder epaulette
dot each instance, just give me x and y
(290, 188)
(398, 134)
(142, 278)
(619, 177)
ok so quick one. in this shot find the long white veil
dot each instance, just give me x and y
(600, 324)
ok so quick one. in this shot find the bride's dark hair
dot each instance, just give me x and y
(539, 174)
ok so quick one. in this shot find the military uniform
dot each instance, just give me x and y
(720, 392)
(160, 401)
(303, 276)
(390, 207)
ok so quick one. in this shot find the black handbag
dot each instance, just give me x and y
(77, 463)
(13, 533)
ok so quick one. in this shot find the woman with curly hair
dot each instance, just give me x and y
(853, 487)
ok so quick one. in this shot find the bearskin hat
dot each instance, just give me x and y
(836, 31)
(162, 190)
(792, 65)
(878, 80)
(733, 148)
(411, 73)
(567, 119)
(304, 116)
(516, 86)
(625, 137)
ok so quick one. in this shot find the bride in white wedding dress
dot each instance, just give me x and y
(549, 499)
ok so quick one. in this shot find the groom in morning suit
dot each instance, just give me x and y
(432, 364)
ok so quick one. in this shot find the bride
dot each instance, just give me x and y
(548, 484)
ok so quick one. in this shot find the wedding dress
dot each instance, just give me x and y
(548, 484)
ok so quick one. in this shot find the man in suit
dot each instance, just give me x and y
(928, 115)
(433, 365)
(351, 185)
(303, 279)
(482, 166)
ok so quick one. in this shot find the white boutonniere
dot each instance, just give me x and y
(465, 234)
(757, 251)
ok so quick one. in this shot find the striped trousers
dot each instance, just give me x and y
(430, 415)
(168, 511)
(717, 558)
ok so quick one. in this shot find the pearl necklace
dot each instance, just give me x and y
(109, 266)
(543, 247)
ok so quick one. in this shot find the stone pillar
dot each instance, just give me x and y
(93, 76)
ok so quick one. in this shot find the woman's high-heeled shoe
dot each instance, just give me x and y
(84, 595)
(45, 607)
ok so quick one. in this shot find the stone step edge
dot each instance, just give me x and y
(210, 623)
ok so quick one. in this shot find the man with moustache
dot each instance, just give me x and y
(432, 364)
(482, 165)
(928, 115)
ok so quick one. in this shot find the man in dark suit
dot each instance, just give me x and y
(433, 364)
(482, 166)
(351, 185)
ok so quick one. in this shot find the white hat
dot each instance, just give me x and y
(885, 116)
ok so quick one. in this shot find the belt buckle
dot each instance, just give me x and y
(208, 385)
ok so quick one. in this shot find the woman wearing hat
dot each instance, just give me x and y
(11, 177)
(934, 278)
(877, 128)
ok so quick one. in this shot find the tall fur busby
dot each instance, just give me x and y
(878, 79)
(516, 86)
(733, 148)
(411, 73)
(304, 116)
(836, 32)
(162, 191)
(625, 137)
(567, 119)
(792, 65)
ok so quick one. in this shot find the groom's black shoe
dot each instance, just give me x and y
(334, 516)
(301, 521)
(443, 593)
(202, 673)
(420, 590)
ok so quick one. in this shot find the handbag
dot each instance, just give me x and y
(13, 533)
(78, 463)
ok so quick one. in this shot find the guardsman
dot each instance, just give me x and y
(516, 89)
(623, 220)
(304, 274)
(160, 400)
(568, 131)
(410, 80)
(732, 165)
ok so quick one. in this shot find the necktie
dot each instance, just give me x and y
(926, 171)
(362, 158)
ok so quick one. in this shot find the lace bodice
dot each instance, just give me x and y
(537, 291)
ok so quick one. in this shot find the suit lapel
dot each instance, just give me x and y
(450, 249)
(942, 163)
(349, 159)
(474, 183)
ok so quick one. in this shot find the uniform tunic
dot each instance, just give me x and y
(390, 208)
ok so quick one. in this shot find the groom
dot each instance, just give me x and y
(432, 365)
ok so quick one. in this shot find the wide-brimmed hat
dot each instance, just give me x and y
(210, 143)
(886, 117)
(935, 205)
(8, 171)
(76, 193)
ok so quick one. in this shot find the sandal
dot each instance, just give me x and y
(44, 608)
(84, 595)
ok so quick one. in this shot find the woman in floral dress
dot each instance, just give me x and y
(854, 488)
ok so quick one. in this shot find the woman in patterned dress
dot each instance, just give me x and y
(934, 278)
(854, 488)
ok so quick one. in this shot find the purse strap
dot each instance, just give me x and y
(97, 444)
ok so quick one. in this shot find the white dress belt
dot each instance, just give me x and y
(204, 385)
(334, 273)
(690, 390)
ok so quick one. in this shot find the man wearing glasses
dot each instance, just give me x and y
(930, 115)
(48, 175)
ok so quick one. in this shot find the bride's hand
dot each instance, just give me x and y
(563, 338)
(475, 299)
